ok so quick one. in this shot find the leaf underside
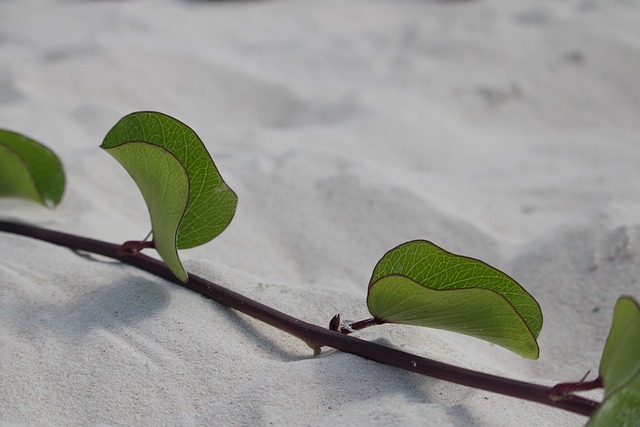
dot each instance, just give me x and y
(212, 203)
(29, 170)
(620, 368)
(621, 408)
(476, 312)
(621, 355)
(164, 185)
(419, 283)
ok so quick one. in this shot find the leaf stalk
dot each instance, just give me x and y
(132, 247)
(335, 325)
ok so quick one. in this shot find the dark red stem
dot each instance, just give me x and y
(314, 335)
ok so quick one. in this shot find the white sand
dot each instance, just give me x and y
(502, 130)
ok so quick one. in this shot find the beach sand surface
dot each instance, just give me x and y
(506, 131)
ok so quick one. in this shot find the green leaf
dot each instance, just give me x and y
(418, 283)
(164, 184)
(189, 203)
(621, 355)
(29, 170)
(621, 408)
(480, 313)
(212, 203)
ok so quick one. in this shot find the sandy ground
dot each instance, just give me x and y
(502, 130)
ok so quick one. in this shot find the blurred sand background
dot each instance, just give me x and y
(506, 131)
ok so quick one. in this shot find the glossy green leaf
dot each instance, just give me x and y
(211, 203)
(621, 355)
(189, 203)
(419, 283)
(29, 170)
(621, 408)
(164, 184)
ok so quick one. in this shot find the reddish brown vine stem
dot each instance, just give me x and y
(315, 335)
